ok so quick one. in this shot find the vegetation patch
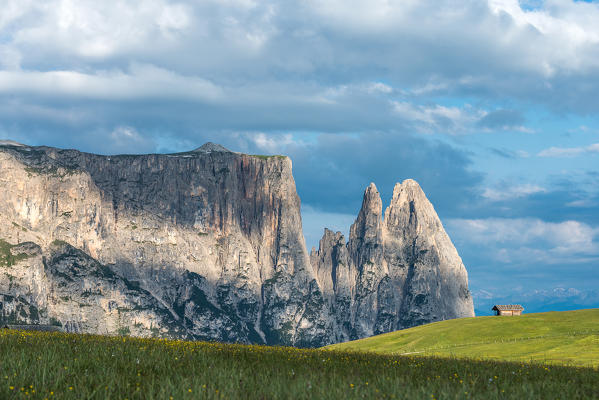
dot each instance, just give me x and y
(19, 226)
(7, 258)
(124, 331)
(51, 170)
(567, 338)
(69, 366)
(60, 243)
(265, 157)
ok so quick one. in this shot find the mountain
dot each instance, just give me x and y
(207, 245)
(393, 273)
(534, 301)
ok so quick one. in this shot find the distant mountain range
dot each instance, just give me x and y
(557, 299)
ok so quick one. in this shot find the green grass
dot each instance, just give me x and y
(7, 259)
(265, 157)
(67, 366)
(568, 338)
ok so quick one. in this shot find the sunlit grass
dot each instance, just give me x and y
(565, 338)
(66, 366)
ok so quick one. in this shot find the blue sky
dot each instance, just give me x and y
(490, 105)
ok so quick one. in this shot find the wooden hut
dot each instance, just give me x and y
(508, 309)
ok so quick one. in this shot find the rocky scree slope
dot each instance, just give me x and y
(203, 245)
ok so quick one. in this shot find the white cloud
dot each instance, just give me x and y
(13, 10)
(568, 25)
(364, 58)
(582, 203)
(412, 33)
(569, 151)
(272, 144)
(93, 29)
(512, 192)
(379, 87)
(124, 138)
(10, 58)
(439, 118)
(142, 81)
(528, 239)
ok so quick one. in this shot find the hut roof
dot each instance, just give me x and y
(508, 307)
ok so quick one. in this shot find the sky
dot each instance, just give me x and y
(491, 105)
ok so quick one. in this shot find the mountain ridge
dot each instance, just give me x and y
(214, 237)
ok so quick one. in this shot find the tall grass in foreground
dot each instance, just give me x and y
(67, 366)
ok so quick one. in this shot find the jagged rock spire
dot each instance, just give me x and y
(404, 270)
(366, 232)
(410, 212)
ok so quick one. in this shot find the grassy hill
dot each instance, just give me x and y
(568, 337)
(50, 365)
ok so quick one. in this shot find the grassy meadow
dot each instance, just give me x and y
(42, 365)
(566, 338)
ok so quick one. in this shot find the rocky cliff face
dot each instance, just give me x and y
(206, 245)
(210, 242)
(395, 272)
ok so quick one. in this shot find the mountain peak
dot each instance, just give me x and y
(410, 209)
(210, 147)
(366, 231)
(409, 188)
(371, 202)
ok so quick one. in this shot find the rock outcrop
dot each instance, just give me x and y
(208, 245)
(212, 239)
(395, 272)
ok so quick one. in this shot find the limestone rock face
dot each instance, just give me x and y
(401, 271)
(201, 245)
(208, 245)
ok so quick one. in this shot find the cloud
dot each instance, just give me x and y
(510, 154)
(142, 82)
(332, 171)
(96, 30)
(354, 92)
(502, 120)
(469, 48)
(512, 192)
(438, 118)
(585, 203)
(123, 138)
(569, 151)
(531, 240)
